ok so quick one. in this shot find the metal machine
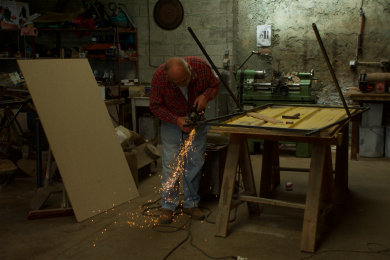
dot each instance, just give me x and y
(280, 89)
(253, 93)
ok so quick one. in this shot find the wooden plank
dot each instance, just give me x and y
(341, 167)
(265, 118)
(227, 189)
(309, 231)
(247, 175)
(266, 169)
(81, 134)
(270, 201)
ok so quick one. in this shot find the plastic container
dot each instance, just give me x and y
(387, 142)
(112, 76)
(373, 117)
(371, 141)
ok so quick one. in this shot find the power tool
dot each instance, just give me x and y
(194, 116)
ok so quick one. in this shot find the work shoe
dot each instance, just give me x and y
(195, 213)
(165, 217)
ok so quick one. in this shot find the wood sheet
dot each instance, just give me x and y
(81, 135)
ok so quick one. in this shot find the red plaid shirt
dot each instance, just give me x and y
(167, 101)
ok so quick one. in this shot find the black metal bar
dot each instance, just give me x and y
(251, 126)
(236, 114)
(330, 69)
(39, 153)
(215, 68)
(338, 122)
(319, 106)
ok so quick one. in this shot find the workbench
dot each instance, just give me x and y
(358, 97)
(324, 190)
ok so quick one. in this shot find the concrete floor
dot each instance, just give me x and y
(275, 234)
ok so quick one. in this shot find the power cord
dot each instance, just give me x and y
(383, 251)
(170, 229)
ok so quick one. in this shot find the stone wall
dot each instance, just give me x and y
(294, 43)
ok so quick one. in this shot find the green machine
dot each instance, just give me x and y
(287, 90)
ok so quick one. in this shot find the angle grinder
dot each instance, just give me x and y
(194, 116)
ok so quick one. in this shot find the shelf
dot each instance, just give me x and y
(121, 30)
(46, 58)
(121, 60)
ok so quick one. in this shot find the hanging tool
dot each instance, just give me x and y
(168, 14)
(119, 16)
(359, 43)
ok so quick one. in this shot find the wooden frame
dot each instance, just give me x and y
(324, 191)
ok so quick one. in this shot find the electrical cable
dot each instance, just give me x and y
(150, 205)
(355, 251)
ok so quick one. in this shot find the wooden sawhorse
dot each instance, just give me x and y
(326, 188)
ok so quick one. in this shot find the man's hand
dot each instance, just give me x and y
(182, 121)
(201, 101)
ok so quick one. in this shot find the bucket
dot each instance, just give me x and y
(371, 141)
(387, 142)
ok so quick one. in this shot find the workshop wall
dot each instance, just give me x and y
(211, 21)
(294, 44)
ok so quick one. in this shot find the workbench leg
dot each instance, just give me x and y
(247, 176)
(266, 168)
(275, 179)
(329, 195)
(355, 135)
(227, 188)
(341, 169)
(313, 197)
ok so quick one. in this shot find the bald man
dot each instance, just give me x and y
(177, 86)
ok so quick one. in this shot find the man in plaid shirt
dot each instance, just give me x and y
(177, 87)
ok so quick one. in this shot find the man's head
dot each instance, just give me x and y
(178, 71)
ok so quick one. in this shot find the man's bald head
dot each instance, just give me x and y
(178, 71)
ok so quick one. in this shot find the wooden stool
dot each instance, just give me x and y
(324, 191)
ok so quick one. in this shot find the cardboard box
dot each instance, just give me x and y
(9, 79)
(13, 15)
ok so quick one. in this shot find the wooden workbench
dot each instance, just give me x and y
(358, 97)
(324, 190)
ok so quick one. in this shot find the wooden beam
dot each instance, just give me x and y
(270, 201)
(265, 118)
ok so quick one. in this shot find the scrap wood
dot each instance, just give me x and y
(265, 118)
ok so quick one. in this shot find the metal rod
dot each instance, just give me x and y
(215, 68)
(39, 153)
(236, 114)
(330, 69)
(319, 106)
(250, 126)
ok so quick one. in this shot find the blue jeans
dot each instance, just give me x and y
(171, 136)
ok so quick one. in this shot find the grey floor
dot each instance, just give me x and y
(123, 233)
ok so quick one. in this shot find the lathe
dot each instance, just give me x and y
(280, 90)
